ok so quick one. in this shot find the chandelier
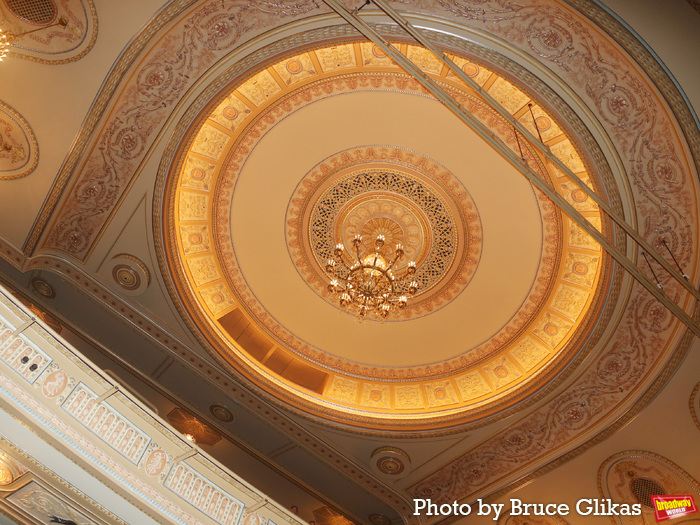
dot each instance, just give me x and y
(367, 285)
(6, 40)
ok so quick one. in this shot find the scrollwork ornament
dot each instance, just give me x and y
(146, 101)
(548, 38)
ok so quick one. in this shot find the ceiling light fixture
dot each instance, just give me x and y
(7, 38)
(368, 285)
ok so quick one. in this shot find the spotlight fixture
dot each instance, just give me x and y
(368, 285)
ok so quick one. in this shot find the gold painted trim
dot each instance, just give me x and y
(695, 405)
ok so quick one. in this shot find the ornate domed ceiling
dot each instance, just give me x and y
(180, 221)
(336, 141)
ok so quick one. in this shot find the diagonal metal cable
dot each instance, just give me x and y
(438, 92)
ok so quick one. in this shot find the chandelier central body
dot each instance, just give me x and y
(368, 286)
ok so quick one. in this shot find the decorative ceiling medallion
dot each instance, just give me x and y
(379, 519)
(221, 413)
(43, 288)
(634, 476)
(130, 274)
(50, 32)
(390, 461)
(387, 191)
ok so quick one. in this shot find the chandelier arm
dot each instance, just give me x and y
(396, 258)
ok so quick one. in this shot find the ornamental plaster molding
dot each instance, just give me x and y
(255, 130)
(617, 474)
(156, 82)
(695, 405)
(32, 469)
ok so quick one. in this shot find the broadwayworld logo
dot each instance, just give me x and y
(670, 507)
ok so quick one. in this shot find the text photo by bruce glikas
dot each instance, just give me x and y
(583, 507)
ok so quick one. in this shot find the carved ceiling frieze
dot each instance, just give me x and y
(144, 101)
(637, 121)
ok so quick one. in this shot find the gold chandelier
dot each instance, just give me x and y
(368, 285)
(6, 40)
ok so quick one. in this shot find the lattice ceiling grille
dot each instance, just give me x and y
(643, 489)
(35, 11)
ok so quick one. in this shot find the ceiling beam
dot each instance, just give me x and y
(352, 17)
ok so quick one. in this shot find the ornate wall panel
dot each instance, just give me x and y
(47, 386)
(634, 476)
(49, 31)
